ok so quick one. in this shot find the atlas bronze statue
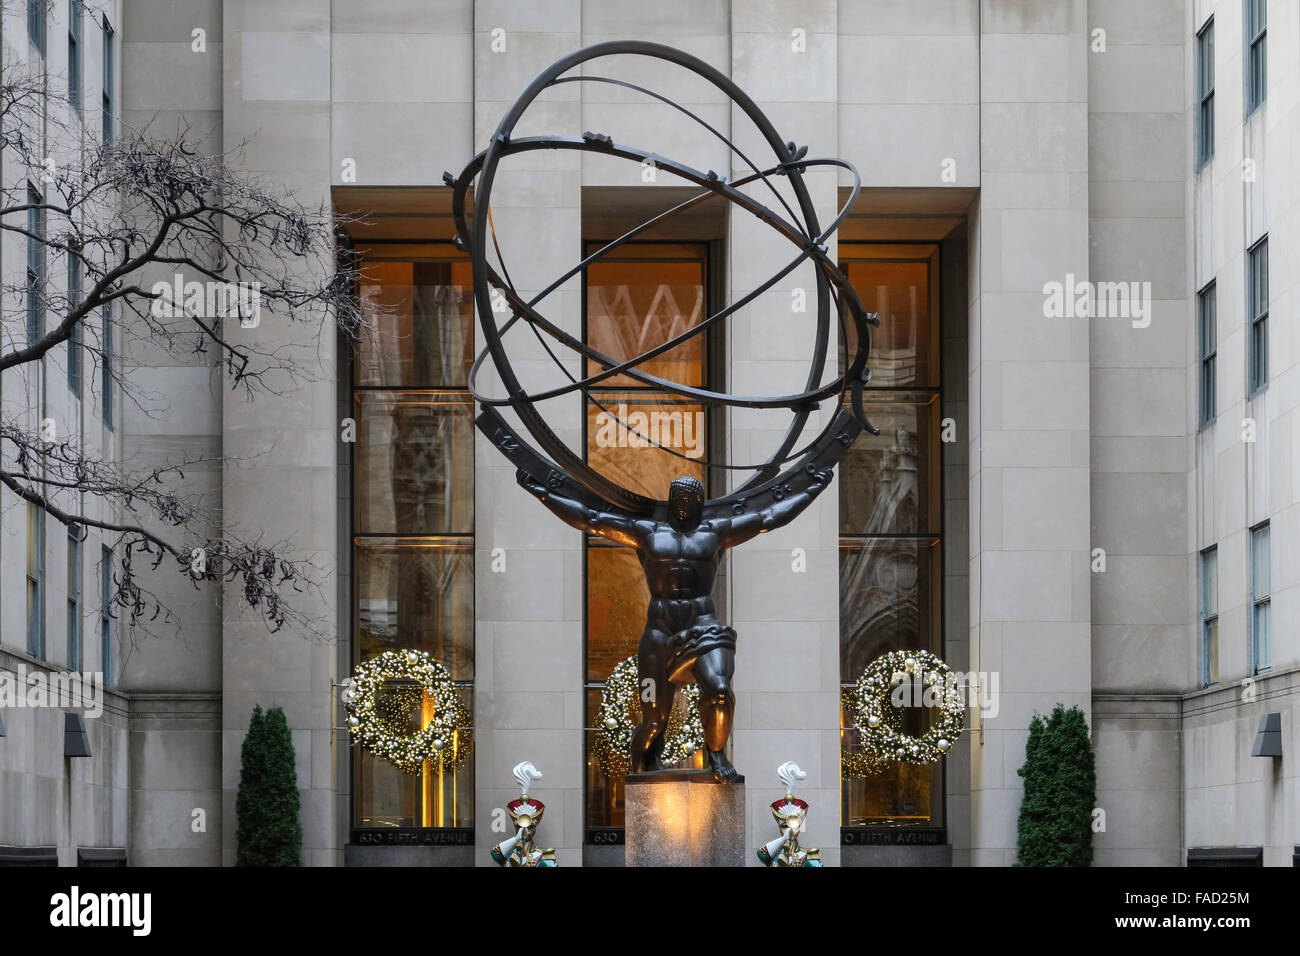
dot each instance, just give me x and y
(683, 641)
(681, 538)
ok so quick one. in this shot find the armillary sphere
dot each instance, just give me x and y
(788, 469)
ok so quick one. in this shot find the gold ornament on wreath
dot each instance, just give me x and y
(879, 720)
(620, 712)
(379, 712)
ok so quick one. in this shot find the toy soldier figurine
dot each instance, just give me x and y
(683, 641)
(527, 813)
(790, 815)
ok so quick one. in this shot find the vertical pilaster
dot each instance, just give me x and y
(529, 642)
(1029, 468)
(785, 602)
(283, 445)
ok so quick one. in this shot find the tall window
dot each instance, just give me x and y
(106, 615)
(1209, 616)
(1260, 599)
(1256, 53)
(74, 599)
(74, 55)
(106, 363)
(1205, 92)
(109, 86)
(78, 335)
(1208, 344)
(36, 24)
(640, 295)
(35, 266)
(413, 513)
(891, 522)
(1257, 312)
(35, 580)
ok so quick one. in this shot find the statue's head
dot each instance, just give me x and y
(685, 502)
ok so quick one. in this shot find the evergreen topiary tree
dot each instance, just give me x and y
(1060, 792)
(269, 832)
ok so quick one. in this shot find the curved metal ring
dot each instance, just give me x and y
(844, 424)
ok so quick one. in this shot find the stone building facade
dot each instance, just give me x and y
(1093, 505)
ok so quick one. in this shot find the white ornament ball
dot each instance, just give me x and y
(438, 744)
(910, 663)
(354, 722)
(944, 744)
(611, 723)
(873, 721)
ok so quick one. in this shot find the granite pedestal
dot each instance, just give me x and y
(687, 819)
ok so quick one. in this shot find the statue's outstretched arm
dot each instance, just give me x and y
(742, 528)
(614, 525)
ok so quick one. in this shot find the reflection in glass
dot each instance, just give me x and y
(633, 307)
(889, 483)
(894, 794)
(905, 347)
(418, 323)
(616, 607)
(414, 463)
(605, 794)
(416, 594)
(437, 797)
(620, 431)
(889, 599)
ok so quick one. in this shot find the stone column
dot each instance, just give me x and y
(1144, 604)
(528, 642)
(277, 97)
(175, 680)
(1029, 480)
(785, 602)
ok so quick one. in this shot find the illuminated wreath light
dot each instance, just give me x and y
(879, 722)
(376, 714)
(620, 712)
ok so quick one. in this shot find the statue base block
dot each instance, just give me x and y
(684, 819)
